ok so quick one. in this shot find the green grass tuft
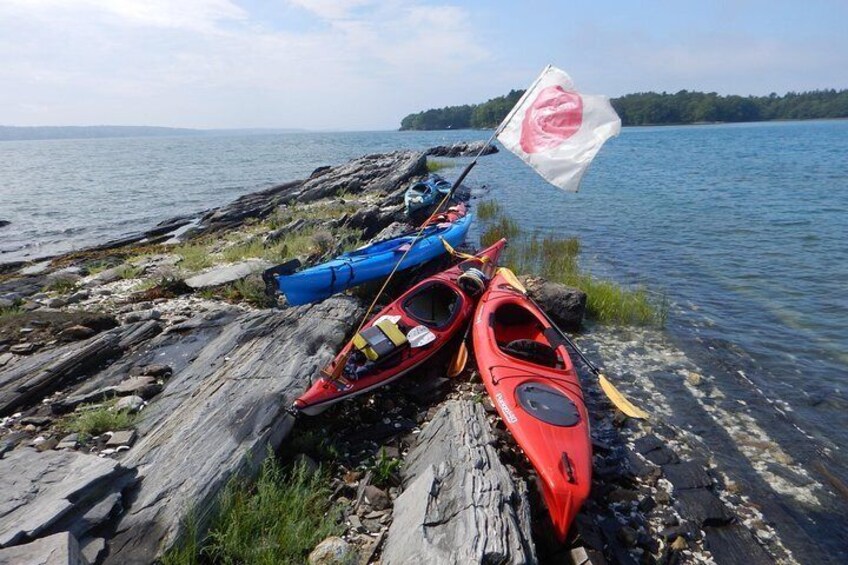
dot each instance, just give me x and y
(556, 259)
(504, 226)
(93, 420)
(488, 209)
(434, 166)
(251, 290)
(128, 271)
(60, 285)
(384, 469)
(277, 520)
(194, 256)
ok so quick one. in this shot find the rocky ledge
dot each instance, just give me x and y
(139, 377)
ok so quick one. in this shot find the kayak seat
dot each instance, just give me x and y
(379, 341)
(434, 305)
(532, 351)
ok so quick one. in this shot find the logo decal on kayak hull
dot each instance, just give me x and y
(508, 414)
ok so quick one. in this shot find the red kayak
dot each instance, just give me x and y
(534, 387)
(404, 334)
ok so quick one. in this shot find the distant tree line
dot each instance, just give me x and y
(651, 108)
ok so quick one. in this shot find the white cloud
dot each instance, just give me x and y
(209, 63)
(181, 14)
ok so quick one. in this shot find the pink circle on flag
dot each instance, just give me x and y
(553, 117)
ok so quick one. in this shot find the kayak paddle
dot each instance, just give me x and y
(618, 399)
(460, 358)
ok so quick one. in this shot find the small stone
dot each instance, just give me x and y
(694, 379)
(23, 348)
(39, 421)
(78, 297)
(627, 535)
(333, 551)
(145, 387)
(77, 332)
(30, 428)
(662, 497)
(356, 523)
(132, 404)
(309, 464)
(70, 441)
(679, 544)
(55, 303)
(647, 504)
(121, 438)
(377, 498)
(106, 452)
(623, 495)
(47, 444)
(156, 370)
(5, 358)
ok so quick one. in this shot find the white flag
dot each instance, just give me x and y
(558, 131)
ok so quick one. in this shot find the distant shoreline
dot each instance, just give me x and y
(37, 133)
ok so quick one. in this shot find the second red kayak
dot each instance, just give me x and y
(404, 334)
(534, 387)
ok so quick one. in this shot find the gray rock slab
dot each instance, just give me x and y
(58, 549)
(45, 371)
(686, 475)
(218, 415)
(460, 504)
(36, 268)
(38, 490)
(734, 545)
(227, 273)
(123, 437)
(565, 305)
(702, 507)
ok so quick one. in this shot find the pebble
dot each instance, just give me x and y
(23, 348)
(130, 403)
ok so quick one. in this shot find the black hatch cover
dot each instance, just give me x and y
(547, 404)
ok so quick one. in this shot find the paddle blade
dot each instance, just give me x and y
(619, 400)
(460, 358)
(512, 280)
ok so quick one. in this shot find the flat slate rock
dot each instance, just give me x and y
(58, 549)
(702, 507)
(689, 474)
(40, 489)
(734, 545)
(218, 416)
(227, 273)
(460, 503)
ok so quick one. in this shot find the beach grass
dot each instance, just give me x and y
(251, 290)
(95, 419)
(278, 519)
(194, 256)
(488, 209)
(556, 259)
(435, 165)
(60, 285)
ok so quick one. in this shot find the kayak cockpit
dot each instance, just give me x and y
(435, 305)
(521, 335)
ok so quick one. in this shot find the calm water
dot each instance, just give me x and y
(744, 226)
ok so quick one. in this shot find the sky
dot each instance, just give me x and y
(364, 64)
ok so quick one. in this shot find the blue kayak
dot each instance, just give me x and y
(425, 193)
(373, 261)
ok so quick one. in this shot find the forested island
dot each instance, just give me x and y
(652, 108)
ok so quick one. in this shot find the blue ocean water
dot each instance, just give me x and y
(743, 226)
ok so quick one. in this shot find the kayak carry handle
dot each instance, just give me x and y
(569, 470)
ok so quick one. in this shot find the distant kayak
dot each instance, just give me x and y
(532, 383)
(426, 193)
(405, 333)
(373, 261)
